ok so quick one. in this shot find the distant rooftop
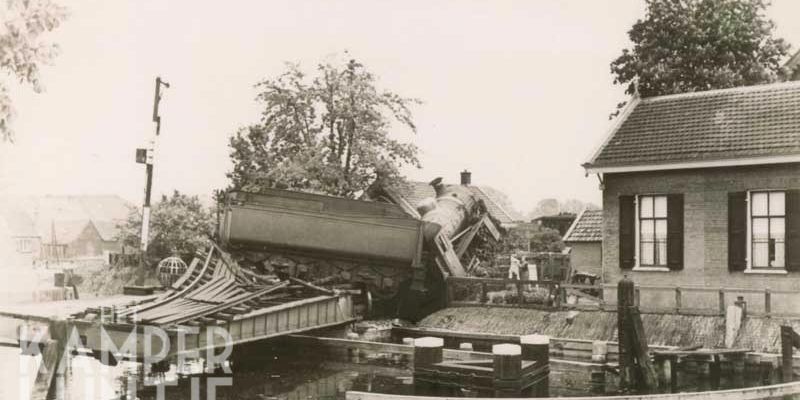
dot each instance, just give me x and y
(588, 227)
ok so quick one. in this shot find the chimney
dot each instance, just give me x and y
(466, 178)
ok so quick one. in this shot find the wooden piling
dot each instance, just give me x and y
(427, 351)
(507, 366)
(789, 340)
(598, 382)
(625, 299)
(535, 348)
(667, 367)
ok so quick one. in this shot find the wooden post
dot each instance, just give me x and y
(537, 348)
(507, 363)
(427, 351)
(767, 302)
(715, 370)
(484, 299)
(520, 293)
(637, 294)
(766, 372)
(787, 346)
(741, 304)
(625, 294)
(678, 300)
(598, 380)
(638, 340)
(668, 371)
(721, 302)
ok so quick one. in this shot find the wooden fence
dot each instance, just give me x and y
(552, 295)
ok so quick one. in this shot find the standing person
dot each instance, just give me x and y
(513, 270)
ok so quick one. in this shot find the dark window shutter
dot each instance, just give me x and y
(675, 231)
(737, 231)
(627, 232)
(793, 230)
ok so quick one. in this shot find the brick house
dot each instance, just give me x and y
(703, 190)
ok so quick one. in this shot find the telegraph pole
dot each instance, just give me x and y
(147, 156)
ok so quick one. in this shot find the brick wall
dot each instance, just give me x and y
(705, 224)
(586, 257)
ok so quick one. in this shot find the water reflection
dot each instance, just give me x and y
(280, 372)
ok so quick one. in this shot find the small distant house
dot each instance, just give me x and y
(584, 241)
(77, 226)
(793, 66)
(703, 190)
(79, 239)
(560, 222)
(19, 240)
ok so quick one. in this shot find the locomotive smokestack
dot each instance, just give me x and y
(438, 186)
(466, 178)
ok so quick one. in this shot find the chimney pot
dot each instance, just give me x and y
(466, 178)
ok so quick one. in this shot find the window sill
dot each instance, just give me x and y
(776, 271)
(651, 269)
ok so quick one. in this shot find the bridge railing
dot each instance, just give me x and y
(467, 291)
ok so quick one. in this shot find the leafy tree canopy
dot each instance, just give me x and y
(179, 225)
(327, 132)
(23, 49)
(550, 206)
(694, 45)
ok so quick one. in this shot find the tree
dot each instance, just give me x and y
(325, 133)
(695, 45)
(546, 207)
(179, 225)
(547, 240)
(23, 51)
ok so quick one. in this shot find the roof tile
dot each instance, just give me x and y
(588, 227)
(754, 121)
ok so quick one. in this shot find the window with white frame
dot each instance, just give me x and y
(23, 245)
(767, 229)
(652, 231)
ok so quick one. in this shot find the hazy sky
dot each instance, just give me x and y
(518, 92)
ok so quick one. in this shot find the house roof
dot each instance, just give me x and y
(740, 126)
(65, 231)
(71, 215)
(793, 67)
(414, 192)
(108, 230)
(588, 227)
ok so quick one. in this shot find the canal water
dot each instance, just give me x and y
(279, 372)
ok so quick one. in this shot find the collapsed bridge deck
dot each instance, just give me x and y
(215, 293)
